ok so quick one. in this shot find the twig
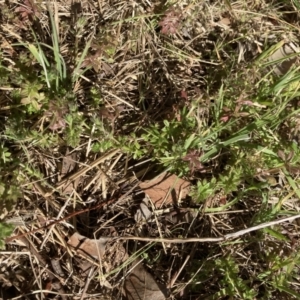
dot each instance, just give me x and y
(43, 263)
(210, 239)
(87, 282)
(121, 100)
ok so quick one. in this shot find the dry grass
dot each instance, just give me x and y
(81, 148)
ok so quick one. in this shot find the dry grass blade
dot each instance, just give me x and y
(86, 169)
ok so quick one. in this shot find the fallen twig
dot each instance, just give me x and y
(209, 239)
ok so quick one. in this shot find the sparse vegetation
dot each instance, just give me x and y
(96, 97)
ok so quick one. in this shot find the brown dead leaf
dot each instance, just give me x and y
(28, 9)
(93, 61)
(56, 113)
(104, 113)
(225, 22)
(68, 165)
(85, 246)
(141, 285)
(194, 163)
(88, 247)
(170, 22)
(165, 189)
(138, 285)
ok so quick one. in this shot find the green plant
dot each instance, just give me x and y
(281, 272)
(132, 145)
(231, 284)
(75, 127)
(9, 190)
(173, 141)
(5, 231)
(204, 189)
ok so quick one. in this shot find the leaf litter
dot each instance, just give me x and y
(166, 189)
(146, 68)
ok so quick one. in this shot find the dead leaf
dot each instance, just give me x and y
(104, 113)
(184, 95)
(88, 247)
(57, 113)
(85, 246)
(165, 189)
(224, 22)
(170, 22)
(68, 165)
(141, 285)
(93, 61)
(138, 285)
(27, 9)
(193, 157)
(143, 213)
(113, 254)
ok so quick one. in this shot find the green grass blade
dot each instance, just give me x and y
(59, 61)
(292, 182)
(76, 73)
(270, 51)
(40, 57)
(34, 51)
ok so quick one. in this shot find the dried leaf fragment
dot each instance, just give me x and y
(85, 246)
(193, 158)
(27, 9)
(57, 113)
(143, 214)
(165, 189)
(141, 285)
(68, 165)
(170, 22)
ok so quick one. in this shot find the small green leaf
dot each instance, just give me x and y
(189, 141)
(5, 231)
(279, 236)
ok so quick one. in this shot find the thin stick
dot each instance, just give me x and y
(121, 100)
(210, 239)
(87, 282)
(166, 240)
(58, 217)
